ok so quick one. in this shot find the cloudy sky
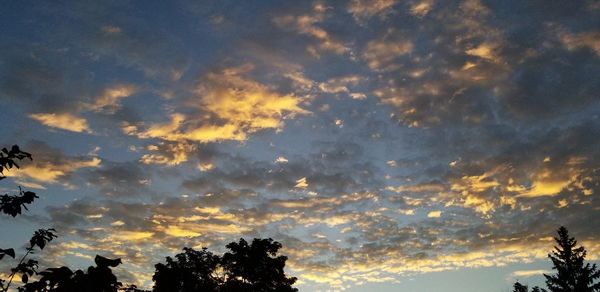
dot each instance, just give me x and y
(389, 145)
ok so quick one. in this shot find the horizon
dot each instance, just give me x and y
(387, 145)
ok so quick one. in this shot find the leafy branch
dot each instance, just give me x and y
(8, 159)
(40, 239)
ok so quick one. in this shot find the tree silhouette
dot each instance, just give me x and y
(518, 287)
(255, 267)
(63, 279)
(246, 267)
(572, 273)
(191, 270)
(13, 205)
(8, 159)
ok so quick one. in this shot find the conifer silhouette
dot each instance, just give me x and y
(572, 273)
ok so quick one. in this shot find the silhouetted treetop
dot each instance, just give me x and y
(256, 267)
(246, 267)
(191, 270)
(572, 273)
(518, 287)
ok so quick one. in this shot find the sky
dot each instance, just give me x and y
(417, 145)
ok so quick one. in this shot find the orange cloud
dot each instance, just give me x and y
(110, 99)
(229, 108)
(64, 121)
(50, 173)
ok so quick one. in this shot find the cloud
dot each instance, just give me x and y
(381, 54)
(364, 9)
(341, 84)
(421, 8)
(589, 40)
(63, 121)
(231, 107)
(528, 273)
(306, 24)
(434, 214)
(168, 153)
(50, 165)
(110, 99)
(449, 112)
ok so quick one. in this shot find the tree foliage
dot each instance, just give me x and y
(8, 159)
(13, 205)
(96, 279)
(191, 270)
(572, 273)
(518, 287)
(246, 267)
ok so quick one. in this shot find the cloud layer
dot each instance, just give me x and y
(376, 140)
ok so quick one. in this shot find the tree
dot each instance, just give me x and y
(572, 273)
(246, 267)
(13, 205)
(518, 287)
(96, 279)
(256, 267)
(191, 270)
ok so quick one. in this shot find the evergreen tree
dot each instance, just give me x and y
(518, 287)
(572, 273)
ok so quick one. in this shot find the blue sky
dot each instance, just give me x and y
(388, 145)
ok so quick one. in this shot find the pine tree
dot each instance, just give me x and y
(572, 273)
(518, 287)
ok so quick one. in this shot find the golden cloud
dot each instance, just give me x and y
(64, 121)
(306, 25)
(229, 108)
(590, 40)
(421, 9)
(110, 99)
(380, 54)
(48, 172)
(365, 9)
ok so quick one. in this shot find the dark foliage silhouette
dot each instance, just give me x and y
(13, 205)
(191, 270)
(96, 279)
(27, 268)
(256, 267)
(518, 287)
(572, 273)
(8, 159)
(246, 267)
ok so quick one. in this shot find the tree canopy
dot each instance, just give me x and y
(246, 267)
(572, 273)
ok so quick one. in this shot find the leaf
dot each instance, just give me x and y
(10, 252)
(25, 278)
